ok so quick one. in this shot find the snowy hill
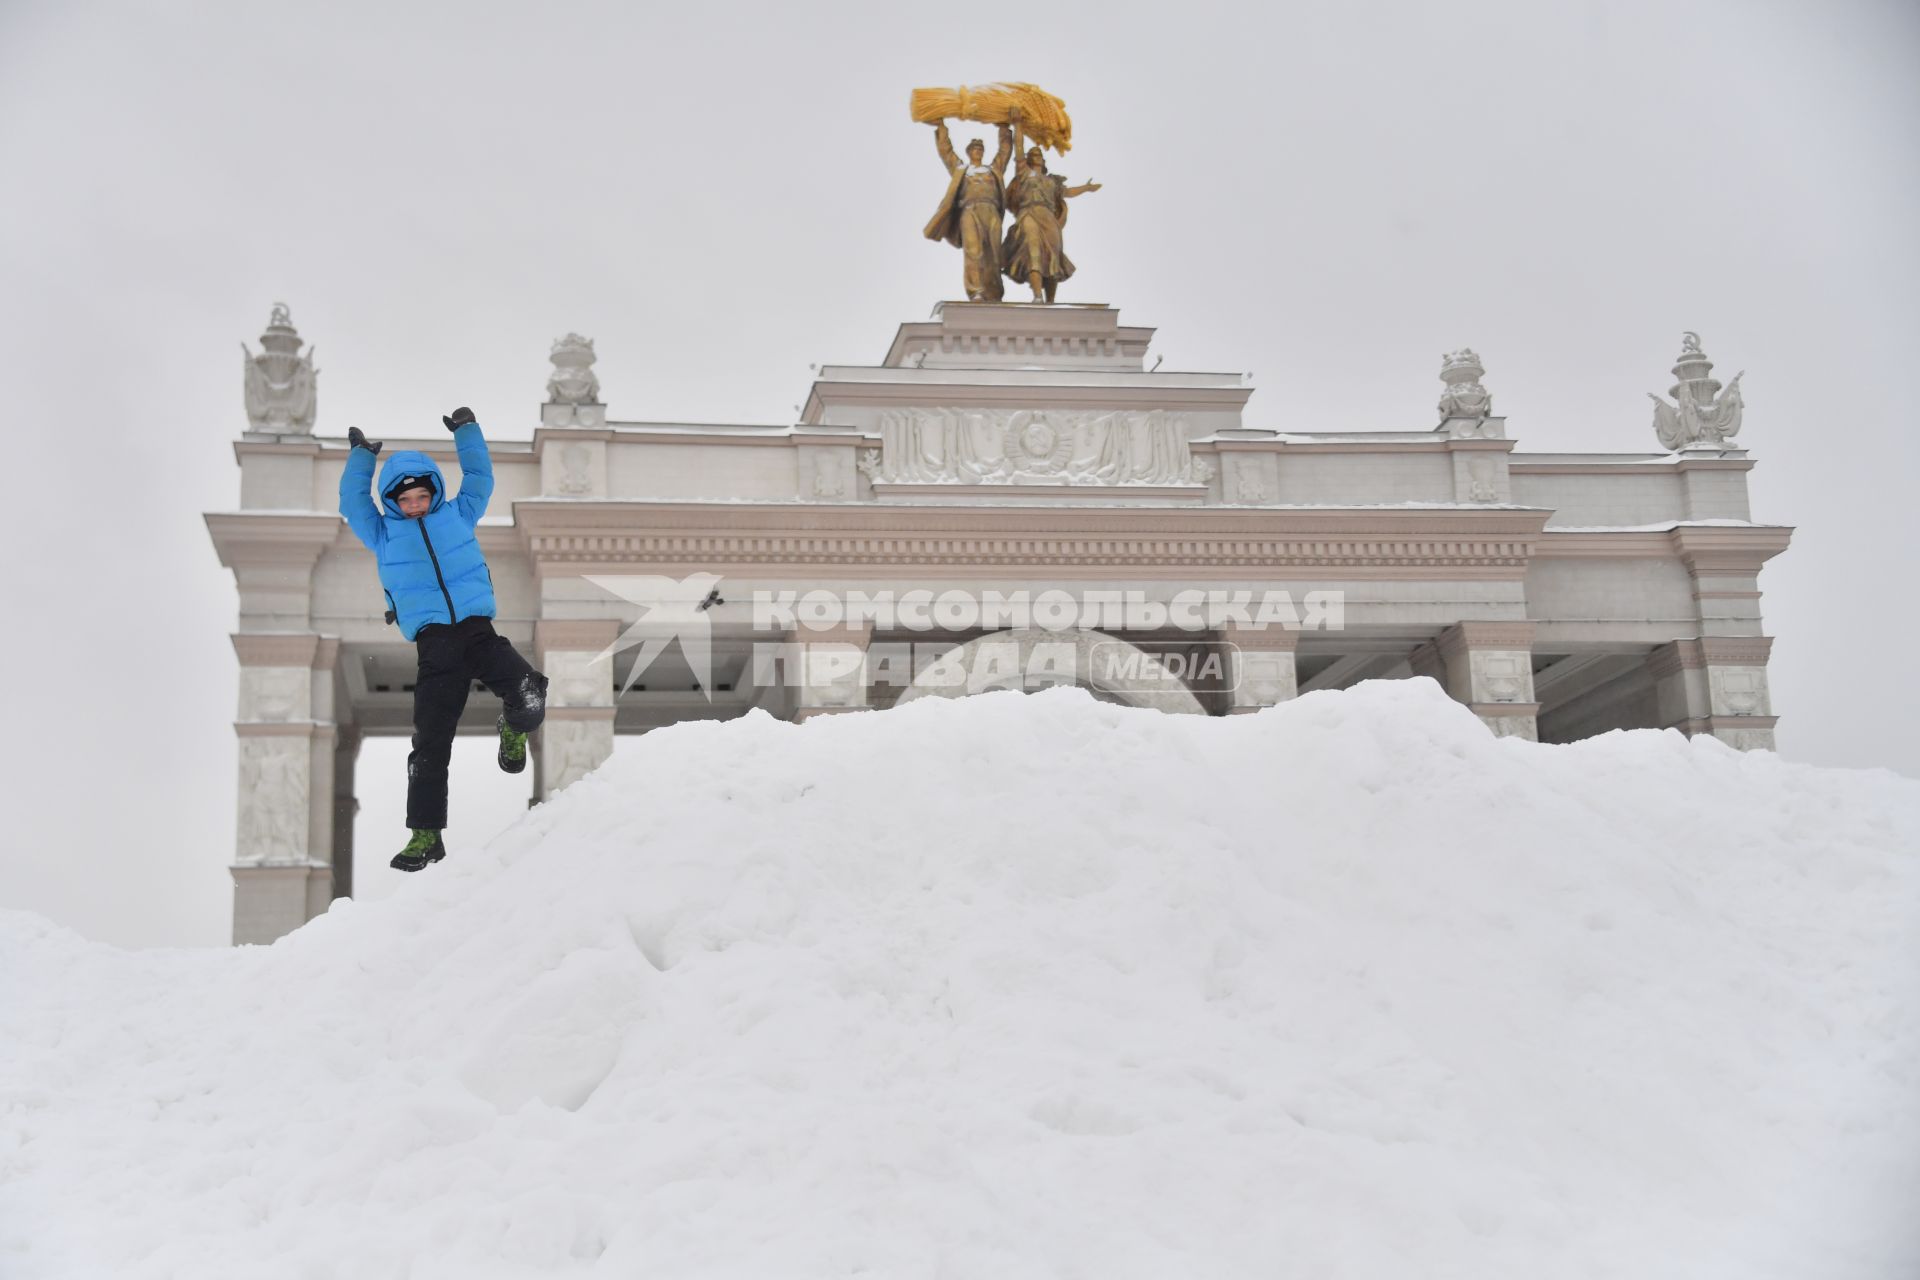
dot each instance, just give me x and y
(1031, 987)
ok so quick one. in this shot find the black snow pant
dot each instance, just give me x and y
(452, 657)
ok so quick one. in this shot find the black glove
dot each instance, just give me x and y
(461, 417)
(358, 440)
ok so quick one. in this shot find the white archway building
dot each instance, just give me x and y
(998, 452)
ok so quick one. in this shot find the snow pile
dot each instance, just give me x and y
(1031, 987)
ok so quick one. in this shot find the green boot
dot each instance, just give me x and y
(423, 848)
(513, 748)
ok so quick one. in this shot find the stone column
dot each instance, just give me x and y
(577, 737)
(1724, 563)
(1716, 685)
(1260, 666)
(346, 806)
(284, 842)
(833, 670)
(1488, 666)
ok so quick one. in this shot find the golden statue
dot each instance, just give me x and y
(972, 210)
(978, 196)
(1035, 251)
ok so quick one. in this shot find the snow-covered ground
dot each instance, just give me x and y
(1031, 987)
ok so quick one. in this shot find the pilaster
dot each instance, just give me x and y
(1488, 666)
(1724, 562)
(826, 467)
(577, 736)
(833, 671)
(1716, 685)
(573, 463)
(1715, 487)
(1260, 669)
(1480, 470)
(285, 838)
(1249, 466)
(346, 807)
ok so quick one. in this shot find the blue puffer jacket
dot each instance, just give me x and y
(431, 568)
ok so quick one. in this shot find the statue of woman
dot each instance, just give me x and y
(1035, 251)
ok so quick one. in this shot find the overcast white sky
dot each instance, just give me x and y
(1329, 195)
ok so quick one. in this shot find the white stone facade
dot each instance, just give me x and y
(1000, 449)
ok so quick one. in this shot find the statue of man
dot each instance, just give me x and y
(972, 210)
(1035, 250)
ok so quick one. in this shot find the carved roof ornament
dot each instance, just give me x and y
(1702, 415)
(279, 382)
(1032, 447)
(1464, 397)
(573, 380)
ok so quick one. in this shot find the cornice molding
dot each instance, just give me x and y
(1196, 541)
(1630, 468)
(282, 448)
(276, 650)
(543, 434)
(1591, 544)
(1710, 726)
(286, 649)
(317, 730)
(589, 634)
(1709, 549)
(548, 435)
(1276, 639)
(1703, 548)
(603, 714)
(1063, 395)
(251, 539)
(1710, 651)
(1485, 634)
(887, 489)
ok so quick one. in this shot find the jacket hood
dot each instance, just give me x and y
(410, 462)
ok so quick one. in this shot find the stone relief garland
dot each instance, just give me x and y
(1078, 447)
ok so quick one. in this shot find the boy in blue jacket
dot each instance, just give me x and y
(441, 595)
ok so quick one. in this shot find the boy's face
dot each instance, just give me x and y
(413, 503)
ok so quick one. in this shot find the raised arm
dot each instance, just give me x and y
(1005, 153)
(356, 502)
(476, 471)
(944, 145)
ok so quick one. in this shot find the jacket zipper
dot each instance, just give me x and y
(437, 576)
